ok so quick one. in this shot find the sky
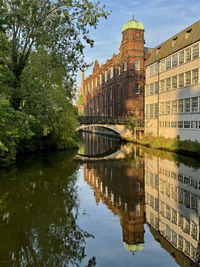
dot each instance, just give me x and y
(161, 19)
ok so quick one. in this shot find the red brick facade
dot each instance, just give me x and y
(116, 88)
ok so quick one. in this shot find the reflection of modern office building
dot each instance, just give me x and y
(119, 185)
(172, 206)
(172, 95)
(116, 88)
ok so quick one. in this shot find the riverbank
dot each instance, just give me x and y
(175, 145)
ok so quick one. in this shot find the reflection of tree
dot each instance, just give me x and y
(39, 208)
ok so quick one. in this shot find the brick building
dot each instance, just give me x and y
(116, 88)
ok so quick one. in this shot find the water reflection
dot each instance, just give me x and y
(97, 145)
(120, 186)
(162, 192)
(38, 211)
(172, 206)
(45, 220)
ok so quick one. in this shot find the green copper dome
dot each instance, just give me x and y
(133, 24)
(133, 248)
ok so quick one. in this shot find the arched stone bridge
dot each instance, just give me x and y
(118, 125)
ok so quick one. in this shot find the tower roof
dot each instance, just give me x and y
(133, 24)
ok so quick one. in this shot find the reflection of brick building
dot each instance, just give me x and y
(116, 88)
(120, 186)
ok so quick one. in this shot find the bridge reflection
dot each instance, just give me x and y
(98, 145)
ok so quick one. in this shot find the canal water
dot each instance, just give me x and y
(112, 205)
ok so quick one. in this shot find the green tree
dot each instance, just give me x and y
(59, 26)
(14, 127)
(41, 48)
(47, 96)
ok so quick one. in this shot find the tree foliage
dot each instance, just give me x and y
(41, 48)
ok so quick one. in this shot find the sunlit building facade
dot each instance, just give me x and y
(172, 93)
(116, 88)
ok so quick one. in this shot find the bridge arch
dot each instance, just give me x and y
(121, 130)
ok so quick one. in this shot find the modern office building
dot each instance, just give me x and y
(116, 88)
(172, 93)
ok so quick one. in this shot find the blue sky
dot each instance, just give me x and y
(161, 19)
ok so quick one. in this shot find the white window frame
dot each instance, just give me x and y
(137, 88)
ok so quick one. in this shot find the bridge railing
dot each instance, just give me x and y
(108, 120)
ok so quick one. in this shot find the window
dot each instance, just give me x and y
(137, 187)
(137, 65)
(174, 60)
(106, 76)
(100, 79)
(195, 50)
(125, 66)
(162, 65)
(194, 104)
(137, 89)
(111, 111)
(168, 63)
(162, 108)
(151, 70)
(156, 87)
(167, 124)
(111, 94)
(156, 110)
(167, 107)
(151, 111)
(188, 78)
(186, 124)
(151, 88)
(96, 82)
(181, 80)
(119, 69)
(111, 72)
(174, 238)
(162, 85)
(187, 105)
(168, 84)
(180, 105)
(188, 54)
(194, 124)
(156, 68)
(137, 210)
(174, 82)
(174, 106)
(180, 124)
(181, 57)
(195, 76)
